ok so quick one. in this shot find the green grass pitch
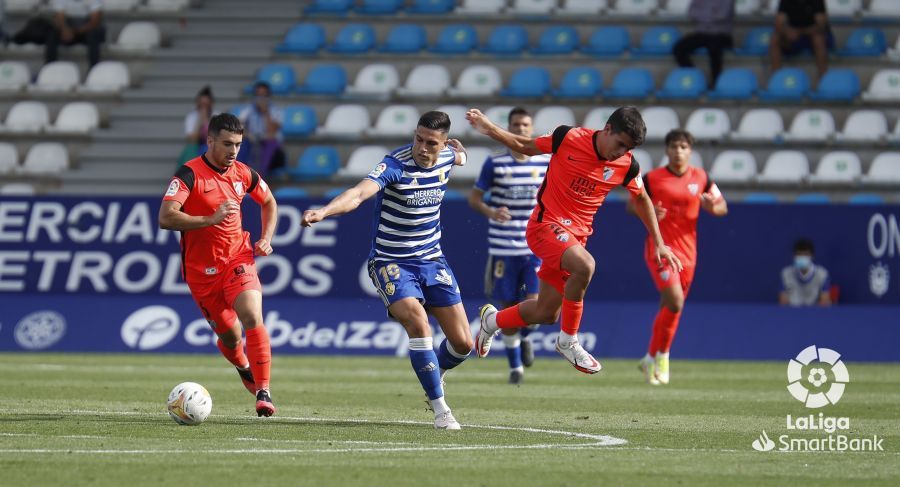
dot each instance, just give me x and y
(101, 420)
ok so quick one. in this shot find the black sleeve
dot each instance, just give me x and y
(254, 181)
(558, 135)
(633, 171)
(186, 175)
(709, 183)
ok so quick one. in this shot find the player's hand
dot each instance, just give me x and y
(225, 210)
(478, 120)
(262, 247)
(312, 216)
(664, 253)
(660, 211)
(456, 145)
(707, 201)
(500, 214)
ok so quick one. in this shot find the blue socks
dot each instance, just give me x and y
(425, 364)
(449, 358)
(513, 345)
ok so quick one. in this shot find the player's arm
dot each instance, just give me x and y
(269, 216)
(172, 218)
(645, 211)
(476, 201)
(783, 298)
(516, 143)
(460, 151)
(344, 203)
(712, 200)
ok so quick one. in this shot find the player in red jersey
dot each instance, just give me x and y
(203, 202)
(585, 166)
(678, 191)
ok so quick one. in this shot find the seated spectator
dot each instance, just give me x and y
(261, 148)
(76, 22)
(804, 283)
(801, 25)
(713, 23)
(196, 124)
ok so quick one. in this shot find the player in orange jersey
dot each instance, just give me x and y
(203, 202)
(586, 164)
(678, 191)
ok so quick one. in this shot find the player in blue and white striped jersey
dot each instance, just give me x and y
(406, 263)
(512, 182)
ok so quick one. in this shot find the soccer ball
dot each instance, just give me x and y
(189, 403)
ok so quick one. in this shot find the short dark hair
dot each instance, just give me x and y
(517, 112)
(804, 245)
(628, 119)
(225, 121)
(205, 91)
(675, 135)
(435, 120)
(262, 84)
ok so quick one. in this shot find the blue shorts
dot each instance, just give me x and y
(508, 279)
(430, 281)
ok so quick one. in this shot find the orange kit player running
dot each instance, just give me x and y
(586, 164)
(203, 203)
(678, 191)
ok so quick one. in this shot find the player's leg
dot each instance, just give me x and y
(457, 345)
(579, 263)
(499, 287)
(244, 292)
(667, 319)
(224, 323)
(530, 287)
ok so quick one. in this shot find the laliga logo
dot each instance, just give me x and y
(150, 327)
(808, 377)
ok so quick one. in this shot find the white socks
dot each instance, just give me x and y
(440, 406)
(565, 340)
(512, 341)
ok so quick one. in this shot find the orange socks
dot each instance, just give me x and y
(510, 318)
(571, 316)
(664, 327)
(236, 355)
(260, 353)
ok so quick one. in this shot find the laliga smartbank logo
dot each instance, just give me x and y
(817, 377)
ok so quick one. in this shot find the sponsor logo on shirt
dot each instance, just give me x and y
(210, 271)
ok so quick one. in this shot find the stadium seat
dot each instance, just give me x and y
(346, 121)
(865, 199)
(581, 7)
(14, 75)
(768, 7)
(633, 7)
(885, 169)
(120, 5)
(58, 76)
(683, 84)
(404, 39)
(644, 159)
(354, 39)
(837, 85)
(528, 82)
(137, 36)
(27, 117)
(865, 41)
(363, 159)
(760, 198)
(531, 7)
(9, 158)
(106, 77)
(475, 159)
(607, 41)
(657, 41)
(290, 192)
(812, 199)
(696, 160)
(428, 80)
(837, 167)
(882, 10)
(303, 38)
(396, 121)
(335, 7)
(46, 158)
(299, 121)
(597, 117)
(456, 39)
(557, 40)
(279, 77)
(674, 9)
(506, 40)
(324, 79)
(733, 166)
(759, 124)
(864, 126)
(379, 7)
(744, 8)
(785, 167)
(165, 5)
(659, 121)
(894, 136)
(756, 42)
(579, 82)
(77, 117)
(885, 86)
(631, 83)
(842, 8)
(17, 189)
(480, 7)
(809, 125)
(708, 124)
(431, 7)
(375, 80)
(22, 6)
(317, 162)
(549, 117)
(734, 84)
(786, 84)
(477, 80)
(498, 114)
(459, 126)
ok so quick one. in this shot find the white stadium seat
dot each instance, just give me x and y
(426, 80)
(811, 125)
(842, 8)
(864, 125)
(884, 9)
(166, 5)
(9, 158)
(397, 121)
(885, 86)
(27, 117)
(46, 158)
(138, 36)
(120, 6)
(14, 75)
(634, 7)
(76, 117)
(885, 169)
(346, 121)
(644, 159)
(675, 8)
(475, 157)
(708, 124)
(58, 76)
(659, 121)
(548, 118)
(733, 166)
(363, 160)
(477, 80)
(582, 7)
(597, 117)
(377, 80)
(480, 7)
(837, 167)
(894, 52)
(17, 189)
(895, 135)
(746, 7)
(459, 126)
(759, 124)
(785, 166)
(107, 77)
(531, 7)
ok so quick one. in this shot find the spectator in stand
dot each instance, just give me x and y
(262, 121)
(196, 125)
(804, 283)
(713, 23)
(801, 25)
(76, 22)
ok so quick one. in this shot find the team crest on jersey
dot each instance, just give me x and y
(442, 176)
(563, 237)
(389, 289)
(608, 173)
(693, 188)
(239, 188)
(173, 187)
(379, 169)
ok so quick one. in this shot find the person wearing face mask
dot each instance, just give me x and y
(804, 283)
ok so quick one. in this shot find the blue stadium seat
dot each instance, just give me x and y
(761, 198)
(404, 39)
(865, 41)
(756, 42)
(334, 7)
(280, 78)
(786, 84)
(530, 81)
(354, 39)
(304, 38)
(734, 84)
(813, 199)
(317, 162)
(380, 7)
(557, 40)
(837, 85)
(683, 84)
(657, 41)
(290, 192)
(607, 41)
(580, 82)
(506, 40)
(866, 199)
(431, 7)
(631, 83)
(324, 79)
(456, 39)
(299, 121)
